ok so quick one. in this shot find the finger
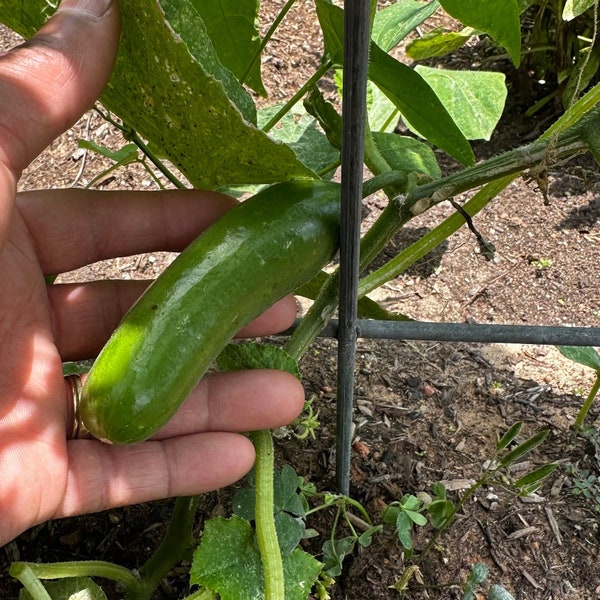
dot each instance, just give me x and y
(84, 315)
(47, 83)
(237, 402)
(103, 476)
(73, 228)
(181, 462)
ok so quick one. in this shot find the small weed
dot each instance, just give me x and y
(542, 263)
(477, 577)
(586, 483)
(496, 388)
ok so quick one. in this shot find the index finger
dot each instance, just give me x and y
(73, 228)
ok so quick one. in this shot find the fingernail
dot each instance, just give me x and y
(94, 8)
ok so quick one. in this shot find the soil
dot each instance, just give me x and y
(425, 412)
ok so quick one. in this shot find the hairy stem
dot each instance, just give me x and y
(297, 96)
(85, 568)
(496, 173)
(267, 37)
(428, 242)
(24, 573)
(583, 411)
(265, 519)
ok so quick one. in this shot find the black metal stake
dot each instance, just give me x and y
(356, 58)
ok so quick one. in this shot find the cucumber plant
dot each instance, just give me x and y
(185, 69)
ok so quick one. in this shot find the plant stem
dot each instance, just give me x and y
(174, 547)
(177, 542)
(264, 516)
(108, 171)
(448, 521)
(428, 242)
(86, 568)
(539, 153)
(383, 180)
(132, 136)
(297, 96)
(267, 37)
(497, 173)
(24, 573)
(583, 411)
(359, 507)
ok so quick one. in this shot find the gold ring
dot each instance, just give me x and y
(78, 429)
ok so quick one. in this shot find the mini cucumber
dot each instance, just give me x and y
(251, 257)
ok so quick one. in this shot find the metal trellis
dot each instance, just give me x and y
(348, 328)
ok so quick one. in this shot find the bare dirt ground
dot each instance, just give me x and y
(425, 412)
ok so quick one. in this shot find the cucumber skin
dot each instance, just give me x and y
(254, 255)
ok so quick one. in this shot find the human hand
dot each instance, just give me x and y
(45, 86)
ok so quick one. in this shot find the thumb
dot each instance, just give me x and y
(48, 82)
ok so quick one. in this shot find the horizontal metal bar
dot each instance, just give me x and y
(471, 332)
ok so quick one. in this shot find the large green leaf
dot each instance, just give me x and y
(419, 105)
(393, 23)
(301, 132)
(232, 27)
(413, 97)
(584, 355)
(497, 18)
(331, 19)
(178, 96)
(382, 112)
(474, 99)
(188, 24)
(227, 561)
(403, 153)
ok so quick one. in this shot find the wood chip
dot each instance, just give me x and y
(553, 525)
(529, 578)
(453, 485)
(515, 535)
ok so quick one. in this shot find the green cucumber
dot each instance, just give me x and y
(251, 257)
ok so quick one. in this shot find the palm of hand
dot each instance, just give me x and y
(33, 448)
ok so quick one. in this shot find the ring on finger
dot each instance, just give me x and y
(77, 430)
